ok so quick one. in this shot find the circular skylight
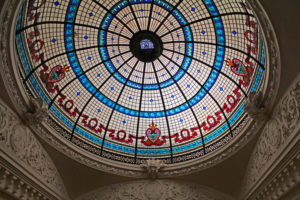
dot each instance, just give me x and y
(131, 80)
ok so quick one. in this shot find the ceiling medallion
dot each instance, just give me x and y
(146, 46)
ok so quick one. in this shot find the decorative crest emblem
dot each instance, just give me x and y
(153, 135)
(238, 68)
(56, 74)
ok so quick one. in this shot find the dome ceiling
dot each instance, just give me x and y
(136, 79)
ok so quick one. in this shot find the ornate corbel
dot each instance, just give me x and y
(37, 113)
(254, 106)
(153, 166)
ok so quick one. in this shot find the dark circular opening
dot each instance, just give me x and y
(146, 46)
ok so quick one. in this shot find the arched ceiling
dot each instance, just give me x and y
(133, 80)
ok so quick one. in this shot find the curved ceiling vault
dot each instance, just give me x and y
(129, 80)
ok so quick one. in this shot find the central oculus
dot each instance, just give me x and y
(146, 46)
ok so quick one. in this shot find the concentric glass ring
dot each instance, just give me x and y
(136, 79)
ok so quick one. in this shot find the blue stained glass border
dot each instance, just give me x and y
(108, 144)
(109, 66)
(69, 43)
(260, 70)
(90, 137)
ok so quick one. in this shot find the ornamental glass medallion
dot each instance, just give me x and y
(146, 44)
(131, 80)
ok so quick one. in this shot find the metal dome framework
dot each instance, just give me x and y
(76, 56)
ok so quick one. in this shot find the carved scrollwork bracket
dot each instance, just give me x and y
(255, 106)
(152, 166)
(37, 113)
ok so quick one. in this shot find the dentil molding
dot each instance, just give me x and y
(25, 167)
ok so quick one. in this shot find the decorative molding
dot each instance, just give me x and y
(153, 166)
(22, 153)
(277, 151)
(37, 113)
(8, 66)
(154, 189)
(7, 18)
(286, 179)
(17, 188)
(254, 106)
(272, 53)
(85, 157)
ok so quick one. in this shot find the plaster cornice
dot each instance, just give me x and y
(274, 166)
(23, 161)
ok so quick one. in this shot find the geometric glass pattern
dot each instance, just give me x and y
(176, 96)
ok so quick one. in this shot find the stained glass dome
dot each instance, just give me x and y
(129, 80)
